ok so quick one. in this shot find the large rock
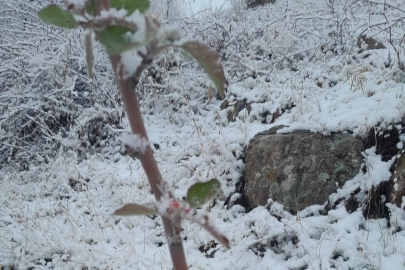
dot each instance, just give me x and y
(299, 169)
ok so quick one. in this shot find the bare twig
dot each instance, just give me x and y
(386, 4)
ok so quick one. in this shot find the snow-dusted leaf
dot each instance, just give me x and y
(88, 45)
(209, 60)
(117, 39)
(134, 209)
(205, 222)
(130, 5)
(54, 15)
(200, 193)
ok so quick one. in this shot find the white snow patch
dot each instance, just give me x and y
(377, 171)
(140, 21)
(135, 143)
(114, 13)
(130, 63)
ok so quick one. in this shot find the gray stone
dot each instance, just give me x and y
(299, 169)
(372, 44)
(396, 189)
(256, 3)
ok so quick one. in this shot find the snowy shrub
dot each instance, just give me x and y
(49, 106)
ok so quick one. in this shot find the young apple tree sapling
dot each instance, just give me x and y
(121, 26)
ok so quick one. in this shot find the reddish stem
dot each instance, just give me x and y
(127, 88)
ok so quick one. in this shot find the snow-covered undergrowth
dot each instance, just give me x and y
(63, 174)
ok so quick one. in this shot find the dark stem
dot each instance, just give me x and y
(129, 96)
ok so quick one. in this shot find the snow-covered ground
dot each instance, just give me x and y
(298, 57)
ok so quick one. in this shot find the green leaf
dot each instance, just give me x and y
(88, 45)
(200, 193)
(134, 209)
(130, 5)
(54, 15)
(209, 60)
(90, 7)
(117, 39)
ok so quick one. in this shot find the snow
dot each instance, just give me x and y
(135, 143)
(139, 20)
(377, 171)
(58, 212)
(130, 63)
(113, 12)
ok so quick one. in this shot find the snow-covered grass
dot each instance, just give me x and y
(60, 216)
(299, 58)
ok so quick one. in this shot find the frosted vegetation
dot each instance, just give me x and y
(63, 172)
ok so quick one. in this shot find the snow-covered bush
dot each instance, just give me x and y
(48, 104)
